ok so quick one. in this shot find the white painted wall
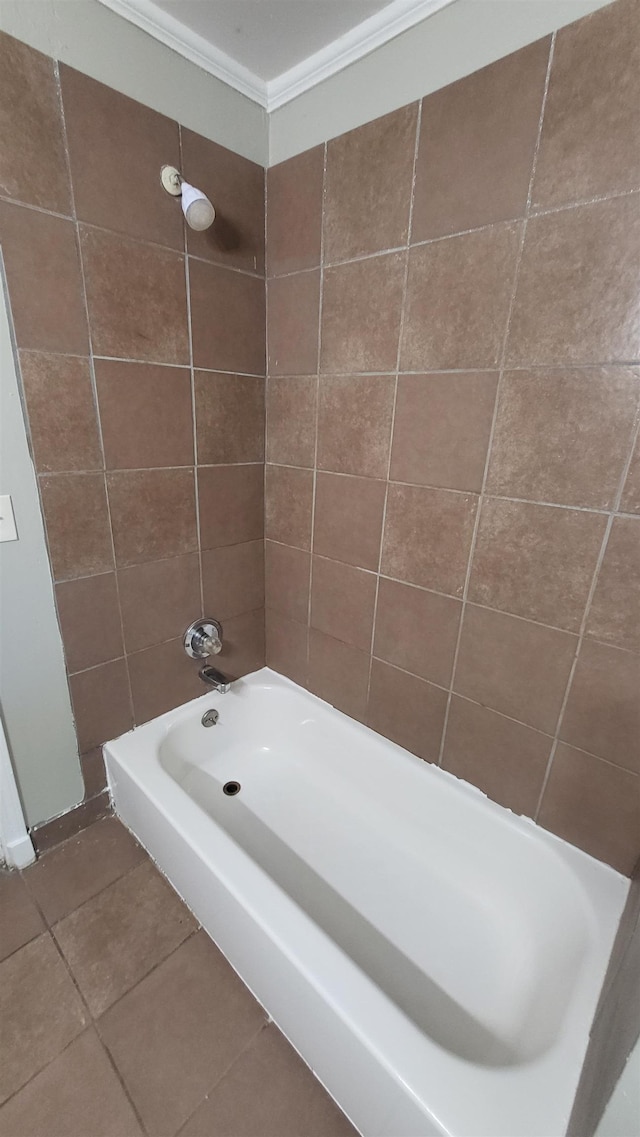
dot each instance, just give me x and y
(34, 695)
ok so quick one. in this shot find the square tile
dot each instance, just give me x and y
(407, 710)
(427, 537)
(441, 429)
(458, 297)
(630, 501)
(594, 806)
(369, 182)
(614, 615)
(40, 1009)
(361, 310)
(294, 212)
(233, 579)
(162, 677)
(50, 834)
(477, 141)
(89, 616)
(153, 514)
(590, 144)
(416, 630)
(81, 867)
(293, 305)
(514, 666)
(227, 319)
(602, 713)
(120, 133)
(33, 166)
(287, 573)
(563, 436)
(577, 287)
(136, 295)
(77, 520)
(348, 519)
(62, 414)
(536, 561)
(159, 600)
(101, 704)
(342, 602)
(338, 673)
(229, 418)
(291, 420)
(354, 424)
(243, 648)
(145, 414)
(176, 1033)
(118, 936)
(44, 278)
(504, 759)
(231, 505)
(21, 920)
(288, 505)
(287, 646)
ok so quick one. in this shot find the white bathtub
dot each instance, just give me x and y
(435, 959)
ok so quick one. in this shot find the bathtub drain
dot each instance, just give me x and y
(231, 788)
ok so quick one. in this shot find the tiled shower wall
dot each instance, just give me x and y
(453, 539)
(141, 350)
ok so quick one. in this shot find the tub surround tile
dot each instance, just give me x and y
(348, 519)
(576, 300)
(287, 573)
(563, 436)
(416, 630)
(354, 424)
(163, 677)
(159, 600)
(630, 501)
(45, 282)
(120, 133)
(590, 144)
(368, 186)
(94, 774)
(514, 666)
(361, 313)
(441, 429)
(293, 304)
(33, 166)
(287, 646)
(291, 420)
(136, 297)
(614, 615)
(458, 296)
(50, 834)
(62, 413)
(227, 316)
(101, 704)
(294, 212)
(343, 601)
(229, 418)
(602, 713)
(41, 1012)
(594, 806)
(21, 920)
(504, 759)
(235, 185)
(177, 1032)
(145, 415)
(89, 620)
(470, 130)
(243, 648)
(536, 561)
(233, 579)
(338, 673)
(427, 537)
(288, 505)
(407, 710)
(153, 514)
(231, 505)
(77, 521)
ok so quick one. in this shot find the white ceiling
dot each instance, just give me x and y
(273, 50)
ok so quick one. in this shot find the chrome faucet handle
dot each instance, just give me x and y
(203, 638)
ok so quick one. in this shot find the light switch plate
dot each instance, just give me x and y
(8, 531)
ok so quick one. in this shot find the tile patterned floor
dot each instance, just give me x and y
(120, 1018)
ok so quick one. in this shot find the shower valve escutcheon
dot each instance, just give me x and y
(203, 638)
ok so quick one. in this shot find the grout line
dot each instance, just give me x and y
(227, 1070)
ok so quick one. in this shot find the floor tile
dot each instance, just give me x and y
(76, 1094)
(116, 938)
(268, 1092)
(178, 1031)
(20, 920)
(82, 867)
(40, 1011)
